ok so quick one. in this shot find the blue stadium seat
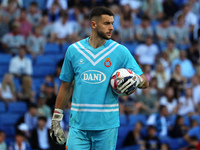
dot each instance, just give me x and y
(2, 107)
(64, 47)
(196, 117)
(9, 130)
(122, 119)
(17, 84)
(135, 118)
(131, 47)
(9, 118)
(3, 70)
(17, 107)
(51, 48)
(45, 60)
(5, 59)
(42, 71)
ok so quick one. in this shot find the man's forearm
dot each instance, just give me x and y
(63, 95)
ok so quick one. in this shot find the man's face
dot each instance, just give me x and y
(104, 27)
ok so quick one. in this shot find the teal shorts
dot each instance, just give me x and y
(91, 139)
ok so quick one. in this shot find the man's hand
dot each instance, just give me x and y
(127, 85)
(56, 132)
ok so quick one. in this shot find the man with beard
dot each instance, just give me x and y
(94, 116)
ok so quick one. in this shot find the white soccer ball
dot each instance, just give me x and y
(118, 75)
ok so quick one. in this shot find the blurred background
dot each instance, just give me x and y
(162, 35)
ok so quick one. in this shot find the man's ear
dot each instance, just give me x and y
(93, 24)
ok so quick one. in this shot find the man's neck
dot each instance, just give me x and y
(96, 41)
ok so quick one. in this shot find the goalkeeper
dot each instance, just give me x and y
(94, 115)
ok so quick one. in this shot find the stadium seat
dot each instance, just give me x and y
(135, 118)
(42, 71)
(51, 48)
(17, 107)
(196, 117)
(2, 107)
(9, 118)
(3, 70)
(5, 59)
(45, 60)
(131, 47)
(9, 130)
(64, 47)
(134, 147)
(122, 119)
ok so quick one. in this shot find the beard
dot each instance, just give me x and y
(102, 35)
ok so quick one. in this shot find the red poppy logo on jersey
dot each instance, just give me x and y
(107, 63)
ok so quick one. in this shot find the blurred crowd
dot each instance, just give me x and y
(162, 35)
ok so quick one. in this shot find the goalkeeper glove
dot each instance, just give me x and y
(141, 81)
(56, 132)
(127, 85)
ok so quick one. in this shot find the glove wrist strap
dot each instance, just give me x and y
(57, 115)
(141, 81)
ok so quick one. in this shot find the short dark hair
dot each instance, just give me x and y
(98, 11)
(33, 4)
(162, 107)
(42, 118)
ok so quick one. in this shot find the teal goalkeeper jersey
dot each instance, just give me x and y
(94, 104)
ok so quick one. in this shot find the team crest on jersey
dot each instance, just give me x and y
(107, 63)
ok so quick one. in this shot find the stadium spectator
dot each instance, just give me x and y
(146, 103)
(61, 3)
(153, 87)
(3, 26)
(190, 18)
(134, 136)
(144, 30)
(146, 71)
(26, 93)
(36, 42)
(43, 109)
(126, 30)
(178, 130)
(187, 69)
(29, 118)
(169, 8)
(194, 4)
(19, 3)
(49, 91)
(180, 80)
(161, 76)
(169, 101)
(159, 120)
(11, 11)
(194, 144)
(151, 140)
(7, 89)
(164, 146)
(164, 60)
(164, 31)
(193, 53)
(84, 28)
(47, 27)
(49, 79)
(181, 32)
(34, 15)
(25, 25)
(147, 53)
(40, 136)
(193, 123)
(3, 145)
(171, 50)
(187, 104)
(20, 142)
(64, 30)
(196, 89)
(11, 42)
(153, 9)
(54, 13)
(20, 65)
